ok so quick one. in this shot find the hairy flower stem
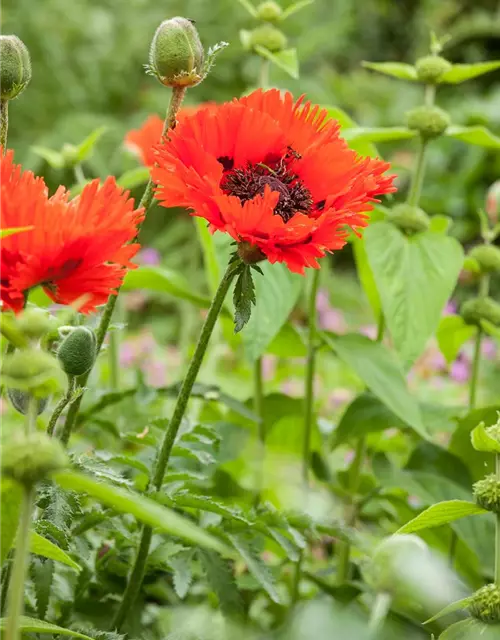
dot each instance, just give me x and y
(15, 603)
(61, 405)
(145, 203)
(4, 123)
(137, 575)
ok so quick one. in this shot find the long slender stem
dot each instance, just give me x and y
(497, 529)
(264, 73)
(15, 606)
(258, 399)
(4, 123)
(79, 175)
(418, 176)
(476, 360)
(137, 575)
(145, 203)
(61, 405)
(378, 614)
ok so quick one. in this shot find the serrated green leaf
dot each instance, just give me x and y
(378, 134)
(183, 575)
(43, 547)
(471, 629)
(346, 122)
(243, 298)
(4, 233)
(285, 543)
(256, 566)
(451, 334)
(161, 280)
(395, 69)
(482, 441)
(221, 580)
(142, 508)
(451, 608)
(85, 148)
(192, 501)
(286, 59)
(31, 625)
(133, 178)
(476, 135)
(10, 501)
(42, 573)
(415, 277)
(462, 72)
(441, 513)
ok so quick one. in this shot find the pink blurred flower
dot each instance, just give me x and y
(450, 308)
(156, 373)
(268, 366)
(332, 320)
(148, 256)
(460, 370)
(369, 330)
(340, 396)
(135, 300)
(489, 348)
(322, 301)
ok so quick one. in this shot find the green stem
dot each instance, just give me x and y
(145, 203)
(4, 123)
(264, 74)
(61, 405)
(475, 369)
(497, 529)
(137, 575)
(378, 614)
(79, 175)
(380, 327)
(418, 176)
(15, 606)
(258, 399)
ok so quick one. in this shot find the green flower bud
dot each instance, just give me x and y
(430, 122)
(487, 257)
(35, 323)
(15, 67)
(70, 154)
(477, 309)
(485, 605)
(487, 493)
(78, 350)
(32, 370)
(268, 37)
(408, 218)
(20, 401)
(176, 55)
(269, 11)
(431, 69)
(30, 458)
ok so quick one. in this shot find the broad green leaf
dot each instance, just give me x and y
(440, 224)
(415, 278)
(296, 6)
(133, 178)
(395, 69)
(286, 60)
(346, 122)
(365, 275)
(43, 547)
(4, 233)
(479, 463)
(10, 501)
(462, 72)
(288, 343)
(163, 280)
(451, 334)
(144, 509)
(471, 629)
(85, 148)
(220, 578)
(476, 135)
(482, 441)
(377, 366)
(276, 294)
(31, 625)
(378, 134)
(55, 159)
(441, 513)
(458, 605)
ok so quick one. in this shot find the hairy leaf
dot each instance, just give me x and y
(222, 582)
(243, 298)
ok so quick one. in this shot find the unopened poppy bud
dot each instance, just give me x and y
(30, 458)
(32, 370)
(269, 11)
(176, 55)
(15, 67)
(408, 218)
(266, 36)
(34, 323)
(20, 401)
(483, 308)
(493, 202)
(487, 493)
(432, 68)
(485, 604)
(430, 122)
(487, 256)
(77, 352)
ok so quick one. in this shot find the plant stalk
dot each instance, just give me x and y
(418, 176)
(258, 400)
(4, 123)
(137, 575)
(147, 198)
(484, 287)
(497, 529)
(379, 614)
(61, 405)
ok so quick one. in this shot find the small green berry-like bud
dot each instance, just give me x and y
(477, 309)
(15, 67)
(269, 11)
(77, 352)
(20, 401)
(176, 55)
(32, 370)
(431, 69)
(485, 605)
(487, 256)
(30, 458)
(268, 37)
(408, 218)
(487, 493)
(430, 122)
(34, 323)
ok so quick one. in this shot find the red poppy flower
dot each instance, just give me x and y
(271, 172)
(143, 140)
(76, 248)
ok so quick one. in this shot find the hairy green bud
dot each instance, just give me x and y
(15, 67)
(35, 323)
(487, 493)
(430, 122)
(408, 218)
(269, 11)
(268, 37)
(20, 401)
(487, 257)
(30, 458)
(78, 350)
(485, 604)
(176, 55)
(431, 69)
(32, 370)
(483, 308)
